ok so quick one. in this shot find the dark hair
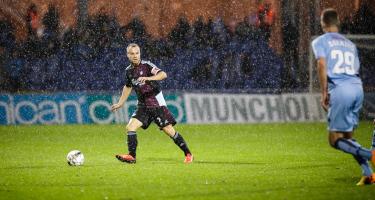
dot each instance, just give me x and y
(330, 17)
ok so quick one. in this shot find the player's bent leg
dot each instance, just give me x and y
(133, 125)
(179, 141)
(132, 142)
(368, 176)
(333, 137)
(345, 143)
(349, 146)
(169, 130)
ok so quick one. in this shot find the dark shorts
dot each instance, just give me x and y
(160, 115)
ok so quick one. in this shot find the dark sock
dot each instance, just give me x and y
(132, 143)
(373, 140)
(180, 142)
(366, 169)
(349, 146)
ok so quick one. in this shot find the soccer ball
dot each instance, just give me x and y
(75, 158)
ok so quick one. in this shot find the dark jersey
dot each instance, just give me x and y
(149, 93)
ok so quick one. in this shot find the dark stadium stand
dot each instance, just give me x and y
(61, 72)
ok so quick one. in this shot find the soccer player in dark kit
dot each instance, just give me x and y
(143, 76)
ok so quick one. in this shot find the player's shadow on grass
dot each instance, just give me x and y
(173, 161)
(30, 167)
(161, 160)
(347, 180)
(227, 162)
(309, 166)
(51, 166)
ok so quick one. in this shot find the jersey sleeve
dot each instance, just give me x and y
(318, 48)
(154, 69)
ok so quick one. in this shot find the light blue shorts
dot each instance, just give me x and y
(345, 102)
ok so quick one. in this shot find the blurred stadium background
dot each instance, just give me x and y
(67, 58)
(74, 51)
(231, 63)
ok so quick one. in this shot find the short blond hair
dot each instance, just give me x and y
(132, 45)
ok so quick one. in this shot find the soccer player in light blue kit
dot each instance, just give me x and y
(341, 89)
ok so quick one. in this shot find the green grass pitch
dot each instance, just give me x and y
(262, 161)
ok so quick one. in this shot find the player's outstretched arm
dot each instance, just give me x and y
(157, 77)
(124, 96)
(322, 74)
